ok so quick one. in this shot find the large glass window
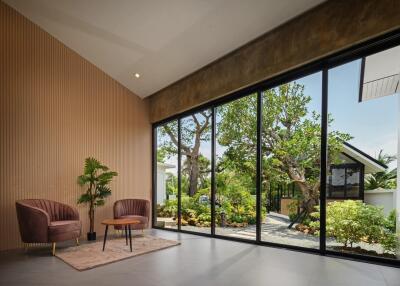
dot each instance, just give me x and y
(291, 136)
(166, 211)
(236, 149)
(361, 124)
(362, 176)
(196, 172)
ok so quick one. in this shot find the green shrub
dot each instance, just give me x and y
(390, 222)
(204, 217)
(292, 208)
(169, 209)
(351, 222)
(236, 202)
(389, 242)
(236, 218)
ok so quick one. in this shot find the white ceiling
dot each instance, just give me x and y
(162, 40)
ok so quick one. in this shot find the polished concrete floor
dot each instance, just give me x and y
(198, 261)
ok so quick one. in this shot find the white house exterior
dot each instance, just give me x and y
(381, 198)
(161, 181)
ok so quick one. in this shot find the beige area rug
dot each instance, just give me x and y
(87, 256)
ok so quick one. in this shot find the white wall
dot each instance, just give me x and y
(161, 185)
(381, 198)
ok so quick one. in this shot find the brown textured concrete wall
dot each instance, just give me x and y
(328, 28)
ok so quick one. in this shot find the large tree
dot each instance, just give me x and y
(195, 129)
(290, 138)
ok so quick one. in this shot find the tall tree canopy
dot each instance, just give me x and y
(290, 138)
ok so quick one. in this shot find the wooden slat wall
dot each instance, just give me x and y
(55, 110)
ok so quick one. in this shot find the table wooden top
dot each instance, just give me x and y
(120, 221)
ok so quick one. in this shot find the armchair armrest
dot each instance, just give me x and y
(119, 209)
(33, 223)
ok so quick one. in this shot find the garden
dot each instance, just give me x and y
(290, 156)
(235, 206)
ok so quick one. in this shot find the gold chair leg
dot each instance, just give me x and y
(142, 230)
(77, 241)
(26, 245)
(53, 244)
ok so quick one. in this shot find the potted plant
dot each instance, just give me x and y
(96, 177)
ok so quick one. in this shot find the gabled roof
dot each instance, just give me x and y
(371, 164)
(165, 165)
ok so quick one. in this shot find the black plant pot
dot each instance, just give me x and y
(91, 236)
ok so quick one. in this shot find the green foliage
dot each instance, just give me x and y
(291, 141)
(386, 179)
(390, 222)
(168, 209)
(235, 202)
(96, 177)
(293, 207)
(97, 182)
(351, 222)
(389, 242)
(172, 184)
(290, 138)
(235, 197)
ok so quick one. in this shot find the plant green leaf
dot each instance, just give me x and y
(84, 198)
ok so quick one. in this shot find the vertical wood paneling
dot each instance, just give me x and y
(56, 109)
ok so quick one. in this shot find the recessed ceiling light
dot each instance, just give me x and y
(137, 75)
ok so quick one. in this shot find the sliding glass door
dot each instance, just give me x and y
(310, 163)
(362, 193)
(195, 150)
(291, 136)
(166, 173)
(236, 149)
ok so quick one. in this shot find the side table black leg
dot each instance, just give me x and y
(130, 236)
(105, 237)
(126, 235)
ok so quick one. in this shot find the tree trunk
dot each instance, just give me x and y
(310, 197)
(194, 164)
(310, 193)
(193, 175)
(91, 218)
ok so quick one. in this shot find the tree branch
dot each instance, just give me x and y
(174, 139)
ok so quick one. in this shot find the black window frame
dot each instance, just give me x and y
(345, 196)
(358, 51)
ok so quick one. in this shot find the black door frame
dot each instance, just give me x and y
(323, 65)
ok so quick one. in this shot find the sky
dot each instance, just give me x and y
(373, 123)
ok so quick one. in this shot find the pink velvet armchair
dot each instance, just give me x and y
(45, 221)
(133, 208)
